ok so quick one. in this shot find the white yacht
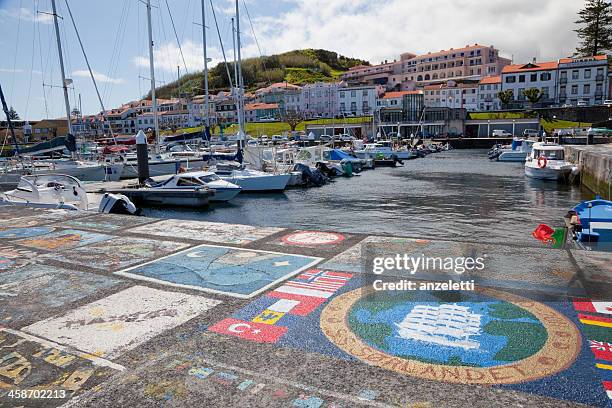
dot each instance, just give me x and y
(253, 181)
(383, 150)
(160, 164)
(546, 162)
(223, 190)
(64, 192)
(517, 152)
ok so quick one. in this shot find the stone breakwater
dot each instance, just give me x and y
(595, 166)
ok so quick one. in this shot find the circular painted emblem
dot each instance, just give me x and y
(313, 238)
(487, 337)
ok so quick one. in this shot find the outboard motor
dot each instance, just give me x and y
(117, 204)
(311, 176)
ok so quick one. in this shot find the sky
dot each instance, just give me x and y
(114, 35)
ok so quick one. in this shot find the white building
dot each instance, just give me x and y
(488, 90)
(541, 75)
(452, 95)
(320, 100)
(358, 100)
(197, 111)
(583, 79)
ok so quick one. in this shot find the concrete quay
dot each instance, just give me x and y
(595, 163)
(140, 312)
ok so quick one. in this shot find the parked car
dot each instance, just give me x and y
(325, 138)
(501, 133)
(347, 138)
(567, 105)
(530, 133)
(607, 102)
(582, 103)
(277, 138)
(264, 139)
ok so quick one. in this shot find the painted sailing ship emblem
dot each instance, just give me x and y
(447, 325)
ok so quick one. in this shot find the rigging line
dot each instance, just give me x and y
(16, 49)
(120, 49)
(162, 29)
(115, 47)
(185, 19)
(229, 77)
(263, 61)
(177, 38)
(42, 68)
(27, 104)
(93, 79)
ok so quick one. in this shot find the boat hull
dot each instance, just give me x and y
(223, 194)
(254, 184)
(547, 173)
(161, 168)
(516, 157)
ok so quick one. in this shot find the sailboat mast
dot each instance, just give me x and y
(61, 61)
(206, 94)
(234, 45)
(152, 68)
(239, 80)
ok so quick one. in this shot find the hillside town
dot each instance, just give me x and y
(448, 84)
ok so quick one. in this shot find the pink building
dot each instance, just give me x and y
(320, 99)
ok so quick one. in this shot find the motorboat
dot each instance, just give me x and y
(222, 190)
(383, 151)
(546, 162)
(517, 152)
(591, 221)
(64, 192)
(252, 180)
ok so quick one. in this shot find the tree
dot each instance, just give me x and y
(505, 97)
(596, 33)
(533, 95)
(293, 119)
(12, 114)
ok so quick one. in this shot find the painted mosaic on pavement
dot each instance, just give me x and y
(29, 363)
(28, 217)
(33, 290)
(14, 257)
(120, 322)
(596, 320)
(225, 270)
(207, 231)
(107, 222)
(487, 337)
(25, 232)
(118, 253)
(65, 239)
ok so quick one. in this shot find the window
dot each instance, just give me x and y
(545, 92)
(575, 74)
(510, 79)
(342, 106)
(587, 74)
(587, 89)
(574, 89)
(545, 76)
(521, 78)
(534, 77)
(353, 94)
(342, 94)
(365, 92)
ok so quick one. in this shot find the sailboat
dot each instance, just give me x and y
(448, 325)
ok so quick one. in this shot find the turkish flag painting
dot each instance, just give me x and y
(259, 332)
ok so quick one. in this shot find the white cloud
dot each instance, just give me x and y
(19, 71)
(27, 15)
(167, 57)
(83, 73)
(376, 31)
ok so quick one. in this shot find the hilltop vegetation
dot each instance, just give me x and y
(297, 67)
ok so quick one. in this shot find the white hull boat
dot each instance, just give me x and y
(546, 162)
(193, 181)
(161, 166)
(62, 191)
(258, 181)
(83, 171)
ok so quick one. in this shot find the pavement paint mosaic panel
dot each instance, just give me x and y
(118, 253)
(28, 217)
(65, 239)
(225, 270)
(24, 232)
(13, 257)
(502, 340)
(120, 322)
(28, 292)
(236, 234)
(28, 363)
(107, 222)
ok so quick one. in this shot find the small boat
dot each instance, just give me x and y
(160, 164)
(253, 181)
(64, 192)
(546, 162)
(384, 151)
(591, 221)
(222, 190)
(517, 152)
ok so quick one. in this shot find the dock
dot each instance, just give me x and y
(595, 163)
(107, 310)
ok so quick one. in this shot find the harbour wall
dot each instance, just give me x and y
(595, 162)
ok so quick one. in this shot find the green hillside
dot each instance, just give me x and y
(298, 67)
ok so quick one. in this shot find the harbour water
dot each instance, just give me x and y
(457, 194)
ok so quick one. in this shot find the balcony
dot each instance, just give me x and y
(563, 80)
(599, 77)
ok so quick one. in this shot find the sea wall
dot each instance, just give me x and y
(595, 164)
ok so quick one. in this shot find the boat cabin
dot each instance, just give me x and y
(549, 150)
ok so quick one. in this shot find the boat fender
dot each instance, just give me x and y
(542, 162)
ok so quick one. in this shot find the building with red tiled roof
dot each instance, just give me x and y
(583, 79)
(541, 75)
(256, 112)
(452, 94)
(488, 93)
